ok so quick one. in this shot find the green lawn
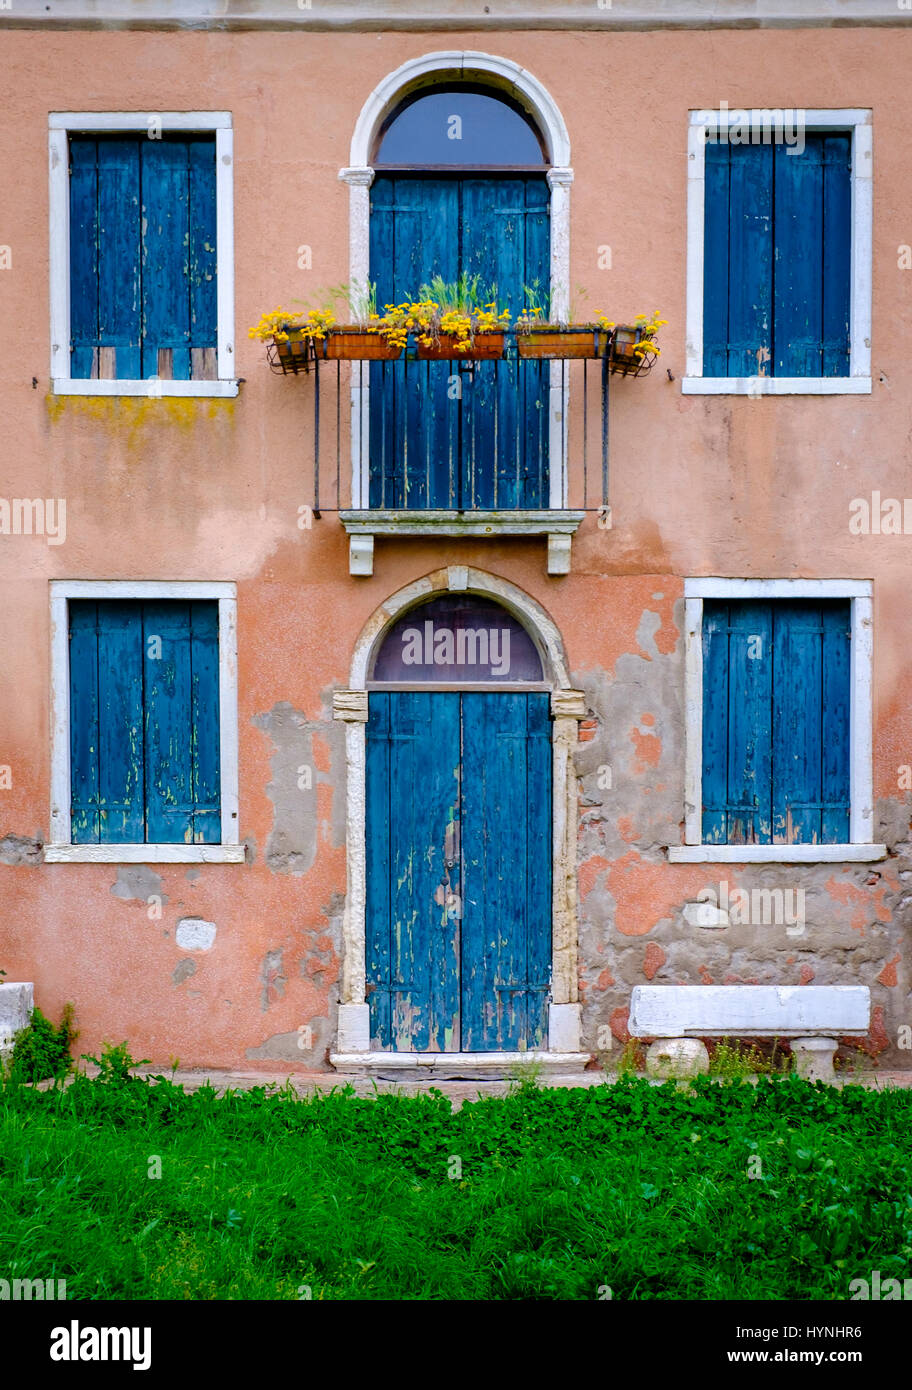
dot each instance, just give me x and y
(644, 1189)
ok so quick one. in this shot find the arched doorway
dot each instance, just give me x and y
(460, 931)
(458, 832)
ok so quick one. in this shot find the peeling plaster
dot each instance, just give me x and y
(139, 882)
(297, 825)
(272, 978)
(183, 970)
(19, 849)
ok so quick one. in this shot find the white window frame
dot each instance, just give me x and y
(61, 124)
(861, 849)
(694, 383)
(61, 849)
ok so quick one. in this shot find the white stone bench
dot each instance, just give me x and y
(16, 1004)
(811, 1017)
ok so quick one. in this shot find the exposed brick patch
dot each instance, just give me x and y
(653, 959)
(887, 976)
(618, 1023)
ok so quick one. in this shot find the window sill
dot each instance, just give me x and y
(775, 854)
(152, 389)
(776, 385)
(144, 854)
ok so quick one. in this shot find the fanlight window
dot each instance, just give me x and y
(459, 127)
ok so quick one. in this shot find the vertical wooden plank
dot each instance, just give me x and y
(751, 662)
(83, 256)
(835, 723)
(799, 258)
(378, 869)
(119, 254)
(165, 255)
(715, 722)
(750, 278)
(837, 253)
(505, 239)
(168, 722)
(204, 727)
(423, 801)
(797, 726)
(120, 718)
(83, 639)
(203, 283)
(506, 867)
(716, 235)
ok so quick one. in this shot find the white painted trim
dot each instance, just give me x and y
(567, 707)
(776, 854)
(224, 253)
(89, 121)
(693, 720)
(142, 588)
(461, 65)
(772, 385)
(725, 588)
(718, 587)
(143, 854)
(151, 388)
(60, 124)
(423, 72)
(861, 755)
(858, 120)
(61, 848)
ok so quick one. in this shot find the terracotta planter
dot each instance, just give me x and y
(624, 358)
(356, 345)
(550, 342)
(484, 347)
(293, 354)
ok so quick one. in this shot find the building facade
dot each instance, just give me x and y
(421, 709)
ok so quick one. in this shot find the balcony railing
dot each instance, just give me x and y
(456, 447)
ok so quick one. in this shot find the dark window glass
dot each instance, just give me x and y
(459, 127)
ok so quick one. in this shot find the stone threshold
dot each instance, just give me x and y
(456, 1066)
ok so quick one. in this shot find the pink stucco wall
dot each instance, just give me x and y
(211, 489)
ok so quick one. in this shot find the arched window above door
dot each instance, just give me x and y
(459, 126)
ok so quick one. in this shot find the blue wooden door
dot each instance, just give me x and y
(458, 870)
(441, 436)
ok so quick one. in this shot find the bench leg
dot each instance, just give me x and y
(673, 1058)
(814, 1058)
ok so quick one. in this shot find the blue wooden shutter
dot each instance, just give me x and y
(811, 724)
(144, 731)
(738, 277)
(737, 687)
(181, 722)
(775, 723)
(777, 258)
(142, 257)
(506, 817)
(106, 723)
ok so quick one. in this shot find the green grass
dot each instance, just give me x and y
(641, 1188)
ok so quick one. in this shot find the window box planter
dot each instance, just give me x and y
(586, 340)
(349, 344)
(484, 347)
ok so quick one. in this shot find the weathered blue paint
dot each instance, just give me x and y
(144, 722)
(775, 723)
(458, 870)
(777, 248)
(434, 441)
(142, 256)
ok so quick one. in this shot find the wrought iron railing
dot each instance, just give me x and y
(464, 436)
